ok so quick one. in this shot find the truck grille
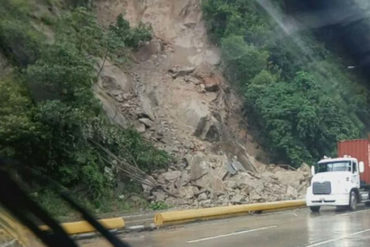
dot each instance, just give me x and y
(321, 188)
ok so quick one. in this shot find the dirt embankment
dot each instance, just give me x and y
(175, 96)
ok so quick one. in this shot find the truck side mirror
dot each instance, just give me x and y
(313, 170)
(361, 166)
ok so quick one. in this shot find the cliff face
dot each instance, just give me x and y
(173, 92)
(175, 95)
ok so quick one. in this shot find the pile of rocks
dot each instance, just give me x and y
(214, 180)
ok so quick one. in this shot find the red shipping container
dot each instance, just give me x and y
(359, 149)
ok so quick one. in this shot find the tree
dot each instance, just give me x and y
(243, 61)
(301, 123)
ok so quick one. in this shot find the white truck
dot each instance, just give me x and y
(343, 181)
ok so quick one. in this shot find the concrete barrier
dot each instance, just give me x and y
(79, 227)
(174, 217)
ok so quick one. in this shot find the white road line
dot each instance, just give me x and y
(230, 234)
(336, 239)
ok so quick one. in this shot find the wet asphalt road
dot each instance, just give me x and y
(279, 229)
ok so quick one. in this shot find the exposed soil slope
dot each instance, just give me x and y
(175, 95)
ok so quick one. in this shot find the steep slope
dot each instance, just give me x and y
(175, 95)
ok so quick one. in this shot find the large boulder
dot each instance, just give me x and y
(254, 196)
(172, 176)
(217, 186)
(211, 183)
(237, 199)
(192, 112)
(112, 86)
(212, 84)
(291, 178)
(291, 192)
(203, 70)
(202, 196)
(186, 192)
(231, 184)
(185, 178)
(146, 110)
(113, 78)
(305, 170)
(209, 129)
(110, 108)
(198, 166)
(159, 195)
(146, 121)
(210, 78)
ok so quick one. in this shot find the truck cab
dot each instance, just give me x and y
(336, 182)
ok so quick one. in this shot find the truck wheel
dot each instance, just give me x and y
(353, 201)
(315, 209)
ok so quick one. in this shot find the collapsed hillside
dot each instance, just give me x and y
(59, 66)
(176, 96)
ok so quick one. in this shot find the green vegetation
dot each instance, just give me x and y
(132, 37)
(49, 118)
(297, 93)
(19, 41)
(158, 205)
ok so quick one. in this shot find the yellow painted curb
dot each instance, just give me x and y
(174, 217)
(84, 227)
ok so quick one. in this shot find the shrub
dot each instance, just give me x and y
(131, 37)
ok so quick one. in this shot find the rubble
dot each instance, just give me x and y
(206, 181)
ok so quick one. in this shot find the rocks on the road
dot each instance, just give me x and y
(206, 181)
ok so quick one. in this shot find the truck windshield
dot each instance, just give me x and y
(339, 166)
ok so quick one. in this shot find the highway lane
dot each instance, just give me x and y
(296, 228)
